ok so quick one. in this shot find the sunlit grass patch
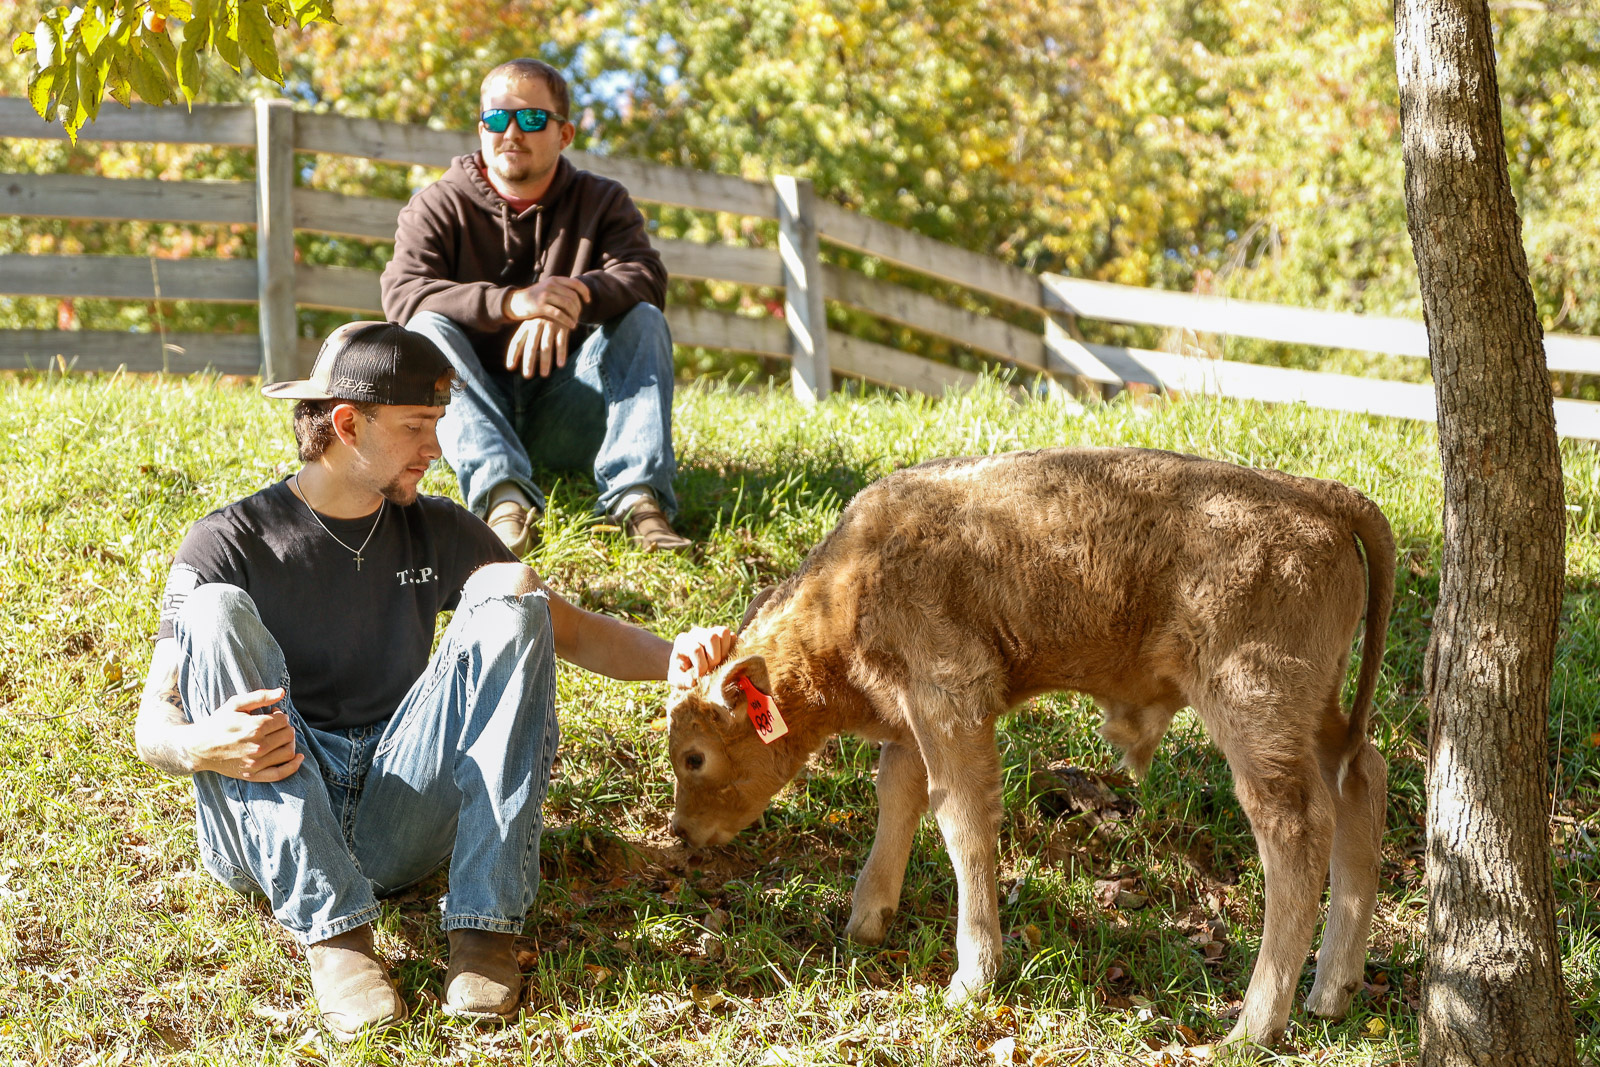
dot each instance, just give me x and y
(1127, 933)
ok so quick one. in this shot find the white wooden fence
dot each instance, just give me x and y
(278, 284)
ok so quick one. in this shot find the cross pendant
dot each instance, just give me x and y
(358, 562)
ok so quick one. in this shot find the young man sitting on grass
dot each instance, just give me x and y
(333, 760)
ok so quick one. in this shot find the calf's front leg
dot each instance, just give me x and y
(964, 792)
(902, 800)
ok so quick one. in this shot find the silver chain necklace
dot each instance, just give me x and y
(301, 493)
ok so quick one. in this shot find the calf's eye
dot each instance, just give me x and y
(694, 761)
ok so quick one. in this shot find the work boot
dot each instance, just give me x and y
(646, 524)
(484, 980)
(516, 524)
(352, 988)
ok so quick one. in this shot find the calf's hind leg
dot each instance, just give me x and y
(902, 800)
(1281, 789)
(1359, 806)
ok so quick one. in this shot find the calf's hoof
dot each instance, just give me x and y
(869, 926)
(1330, 1001)
(967, 988)
(1241, 1038)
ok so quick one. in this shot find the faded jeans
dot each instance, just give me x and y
(457, 774)
(609, 408)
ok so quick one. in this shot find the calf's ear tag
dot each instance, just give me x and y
(763, 713)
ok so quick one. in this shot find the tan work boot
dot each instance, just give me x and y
(484, 980)
(352, 988)
(646, 524)
(516, 524)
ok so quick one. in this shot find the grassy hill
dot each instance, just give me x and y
(1130, 932)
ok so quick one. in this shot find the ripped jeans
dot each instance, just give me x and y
(457, 774)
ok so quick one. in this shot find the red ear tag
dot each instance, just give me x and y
(763, 713)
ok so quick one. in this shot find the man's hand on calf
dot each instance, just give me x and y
(235, 743)
(697, 652)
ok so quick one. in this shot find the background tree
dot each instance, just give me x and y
(1493, 992)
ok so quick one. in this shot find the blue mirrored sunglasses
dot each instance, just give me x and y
(529, 119)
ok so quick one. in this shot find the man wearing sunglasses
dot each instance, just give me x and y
(537, 281)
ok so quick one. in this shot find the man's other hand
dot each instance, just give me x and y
(697, 652)
(560, 300)
(238, 744)
(537, 347)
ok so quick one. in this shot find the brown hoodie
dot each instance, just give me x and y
(460, 249)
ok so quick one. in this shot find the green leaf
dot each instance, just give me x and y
(160, 46)
(122, 29)
(118, 80)
(48, 34)
(91, 87)
(279, 13)
(309, 11)
(255, 37)
(23, 43)
(191, 69)
(149, 79)
(67, 102)
(225, 31)
(91, 30)
(40, 88)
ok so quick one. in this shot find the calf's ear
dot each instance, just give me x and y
(753, 667)
(755, 605)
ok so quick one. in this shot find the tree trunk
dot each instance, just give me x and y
(1493, 992)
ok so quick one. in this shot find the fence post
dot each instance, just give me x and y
(1074, 370)
(275, 240)
(809, 370)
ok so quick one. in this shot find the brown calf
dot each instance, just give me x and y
(955, 590)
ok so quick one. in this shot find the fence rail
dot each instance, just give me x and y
(277, 284)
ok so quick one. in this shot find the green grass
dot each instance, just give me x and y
(116, 948)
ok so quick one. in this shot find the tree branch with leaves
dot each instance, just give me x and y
(154, 48)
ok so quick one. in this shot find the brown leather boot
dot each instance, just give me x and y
(484, 980)
(646, 525)
(352, 988)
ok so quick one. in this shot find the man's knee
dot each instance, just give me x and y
(644, 316)
(216, 607)
(500, 580)
(432, 321)
(640, 329)
(447, 333)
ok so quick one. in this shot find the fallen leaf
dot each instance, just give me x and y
(1189, 1036)
(659, 725)
(598, 975)
(1003, 1052)
(277, 1015)
(1375, 1027)
(707, 1001)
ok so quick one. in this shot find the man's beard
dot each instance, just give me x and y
(398, 493)
(514, 173)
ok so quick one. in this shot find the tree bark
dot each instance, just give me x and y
(1493, 992)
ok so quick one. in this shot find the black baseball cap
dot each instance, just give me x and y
(375, 362)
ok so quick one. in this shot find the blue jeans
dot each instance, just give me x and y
(458, 773)
(610, 408)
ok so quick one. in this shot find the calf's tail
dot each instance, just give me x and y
(1377, 544)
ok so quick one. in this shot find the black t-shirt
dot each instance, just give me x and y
(354, 640)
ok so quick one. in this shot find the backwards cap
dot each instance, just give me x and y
(374, 362)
